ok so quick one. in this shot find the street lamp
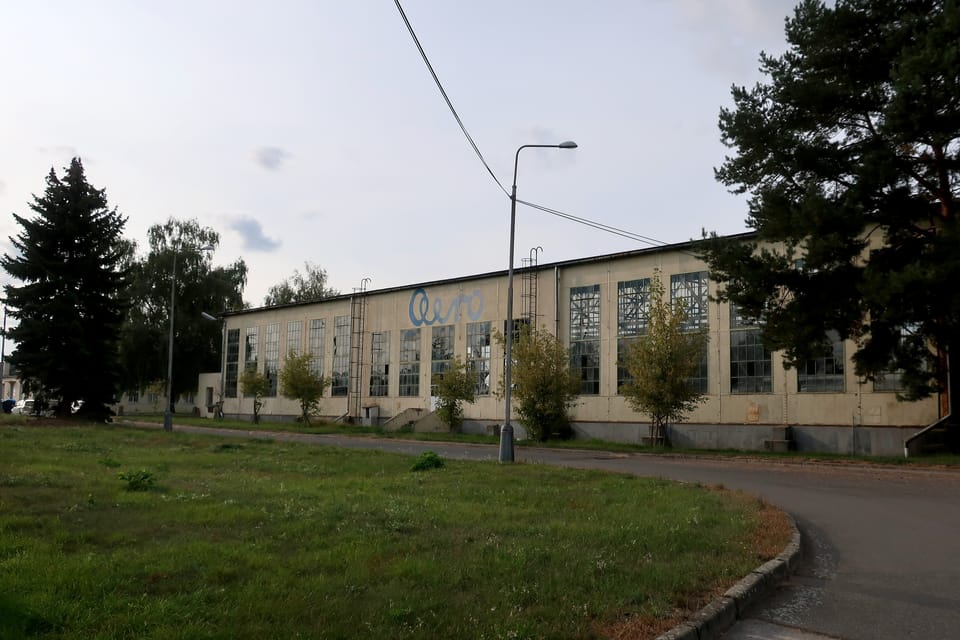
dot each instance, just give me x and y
(168, 414)
(506, 433)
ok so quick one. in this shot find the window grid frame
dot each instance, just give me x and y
(316, 337)
(410, 348)
(751, 363)
(232, 364)
(379, 364)
(633, 320)
(442, 351)
(251, 348)
(340, 373)
(748, 355)
(692, 288)
(585, 337)
(479, 356)
(294, 337)
(828, 372)
(271, 356)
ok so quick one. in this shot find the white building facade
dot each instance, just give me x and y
(381, 347)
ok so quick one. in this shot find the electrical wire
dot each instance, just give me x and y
(447, 98)
(590, 223)
(596, 225)
(636, 237)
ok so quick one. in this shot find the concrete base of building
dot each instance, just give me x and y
(847, 440)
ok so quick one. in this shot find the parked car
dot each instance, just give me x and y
(24, 406)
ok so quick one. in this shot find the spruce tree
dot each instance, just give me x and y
(70, 305)
(850, 155)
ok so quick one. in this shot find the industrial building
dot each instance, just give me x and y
(380, 348)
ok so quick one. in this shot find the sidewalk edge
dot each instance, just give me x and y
(710, 622)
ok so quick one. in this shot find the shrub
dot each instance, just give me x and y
(256, 384)
(544, 386)
(141, 480)
(427, 460)
(454, 386)
(299, 382)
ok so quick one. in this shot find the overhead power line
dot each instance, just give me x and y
(590, 223)
(446, 98)
(597, 225)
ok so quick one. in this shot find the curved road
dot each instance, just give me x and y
(881, 545)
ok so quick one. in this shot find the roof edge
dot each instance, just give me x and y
(678, 246)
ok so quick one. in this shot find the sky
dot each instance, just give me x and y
(312, 131)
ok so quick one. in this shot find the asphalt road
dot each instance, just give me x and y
(881, 545)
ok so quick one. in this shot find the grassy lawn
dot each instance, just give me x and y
(262, 539)
(944, 460)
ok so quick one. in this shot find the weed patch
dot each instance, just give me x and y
(427, 460)
(227, 447)
(141, 480)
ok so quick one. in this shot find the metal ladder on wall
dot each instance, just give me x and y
(528, 288)
(358, 309)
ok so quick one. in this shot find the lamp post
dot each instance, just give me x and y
(168, 414)
(506, 433)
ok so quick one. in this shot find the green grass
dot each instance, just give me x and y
(944, 460)
(262, 539)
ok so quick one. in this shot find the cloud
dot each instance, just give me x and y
(252, 234)
(270, 157)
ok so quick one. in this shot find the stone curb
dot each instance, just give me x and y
(710, 622)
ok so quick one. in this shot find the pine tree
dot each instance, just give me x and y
(70, 259)
(850, 155)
